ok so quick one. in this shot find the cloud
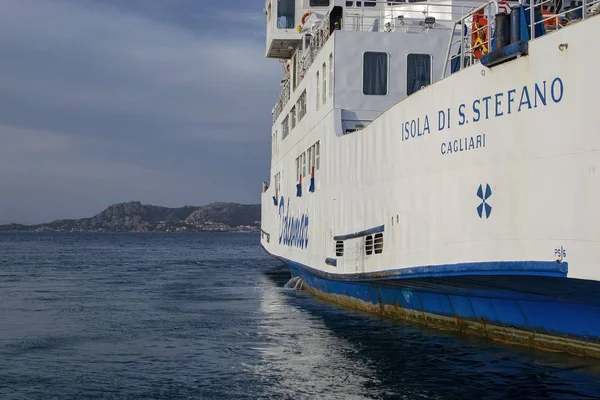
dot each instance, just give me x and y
(96, 90)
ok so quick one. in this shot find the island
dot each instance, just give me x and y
(137, 217)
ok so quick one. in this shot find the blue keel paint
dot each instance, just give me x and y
(486, 300)
(550, 305)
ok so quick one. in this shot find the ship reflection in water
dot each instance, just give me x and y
(313, 349)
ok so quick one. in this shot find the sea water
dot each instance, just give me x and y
(209, 316)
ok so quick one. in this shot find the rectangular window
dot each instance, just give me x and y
(313, 157)
(285, 127)
(375, 73)
(294, 71)
(302, 106)
(297, 169)
(286, 13)
(293, 117)
(317, 155)
(324, 73)
(319, 3)
(330, 75)
(370, 3)
(303, 164)
(318, 91)
(418, 72)
(277, 183)
(310, 160)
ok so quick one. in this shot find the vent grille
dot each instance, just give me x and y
(379, 243)
(339, 248)
(369, 245)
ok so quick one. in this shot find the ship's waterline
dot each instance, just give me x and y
(393, 300)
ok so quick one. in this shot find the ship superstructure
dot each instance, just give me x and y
(439, 161)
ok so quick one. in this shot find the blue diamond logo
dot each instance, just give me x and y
(484, 207)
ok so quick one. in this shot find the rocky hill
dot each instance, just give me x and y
(137, 217)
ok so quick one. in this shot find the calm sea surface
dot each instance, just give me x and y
(206, 316)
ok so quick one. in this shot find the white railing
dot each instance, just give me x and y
(465, 48)
(318, 38)
(555, 21)
(406, 16)
(284, 97)
(403, 16)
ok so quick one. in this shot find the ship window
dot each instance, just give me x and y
(369, 245)
(379, 243)
(418, 72)
(303, 164)
(370, 3)
(298, 169)
(294, 72)
(285, 127)
(375, 73)
(310, 152)
(330, 75)
(293, 117)
(318, 91)
(277, 184)
(339, 248)
(349, 3)
(286, 13)
(324, 73)
(302, 106)
(319, 3)
(317, 155)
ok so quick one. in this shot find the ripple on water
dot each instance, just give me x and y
(201, 316)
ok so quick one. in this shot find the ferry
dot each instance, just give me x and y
(438, 162)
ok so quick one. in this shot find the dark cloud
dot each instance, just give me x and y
(114, 101)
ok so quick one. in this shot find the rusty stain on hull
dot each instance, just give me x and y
(483, 329)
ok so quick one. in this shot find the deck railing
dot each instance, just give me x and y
(569, 15)
(284, 97)
(459, 18)
(405, 16)
(470, 37)
(461, 49)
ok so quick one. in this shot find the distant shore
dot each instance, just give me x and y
(136, 217)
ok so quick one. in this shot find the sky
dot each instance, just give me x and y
(167, 102)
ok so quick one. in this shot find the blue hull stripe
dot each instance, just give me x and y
(529, 268)
(366, 232)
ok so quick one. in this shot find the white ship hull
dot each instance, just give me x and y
(485, 187)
